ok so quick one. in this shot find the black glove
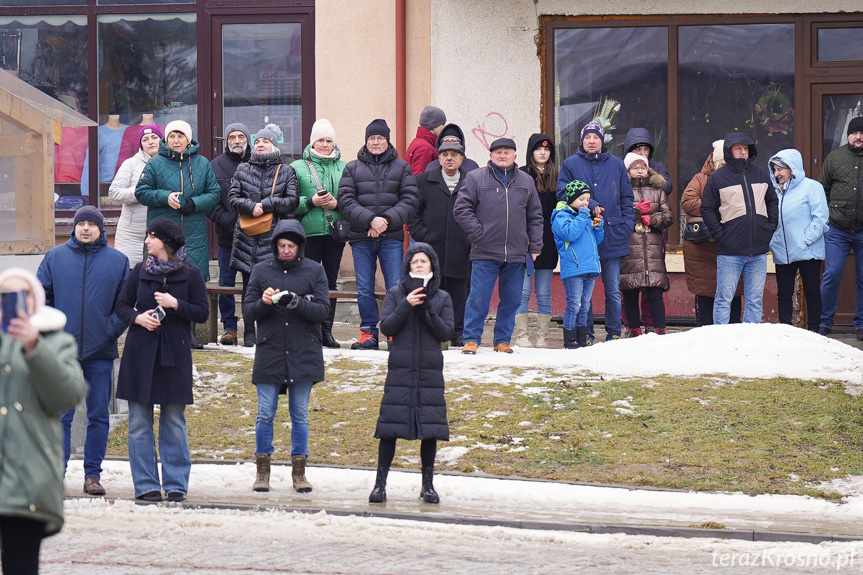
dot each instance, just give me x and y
(189, 208)
(290, 300)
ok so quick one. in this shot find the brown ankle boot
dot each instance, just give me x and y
(262, 478)
(298, 474)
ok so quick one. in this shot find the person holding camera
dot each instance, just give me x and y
(318, 175)
(287, 297)
(41, 380)
(82, 278)
(163, 296)
(418, 315)
(263, 191)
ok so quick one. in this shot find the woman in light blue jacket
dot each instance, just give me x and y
(798, 243)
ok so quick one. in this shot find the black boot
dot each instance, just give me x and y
(569, 341)
(195, 343)
(327, 338)
(379, 493)
(428, 494)
(581, 336)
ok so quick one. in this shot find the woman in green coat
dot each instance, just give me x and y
(180, 185)
(317, 208)
(41, 378)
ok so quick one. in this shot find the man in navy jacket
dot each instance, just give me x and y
(83, 278)
(611, 197)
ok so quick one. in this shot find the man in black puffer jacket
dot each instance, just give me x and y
(740, 208)
(237, 150)
(377, 195)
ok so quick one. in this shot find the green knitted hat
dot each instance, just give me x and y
(574, 189)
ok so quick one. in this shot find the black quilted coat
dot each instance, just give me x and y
(373, 186)
(256, 177)
(288, 346)
(413, 405)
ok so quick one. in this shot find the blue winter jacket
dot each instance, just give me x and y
(83, 281)
(606, 175)
(577, 241)
(803, 214)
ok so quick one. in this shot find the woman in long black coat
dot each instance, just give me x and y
(157, 359)
(418, 315)
(288, 356)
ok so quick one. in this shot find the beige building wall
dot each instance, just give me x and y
(355, 59)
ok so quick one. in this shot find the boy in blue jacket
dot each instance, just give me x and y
(577, 236)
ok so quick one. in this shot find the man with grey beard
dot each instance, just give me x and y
(237, 150)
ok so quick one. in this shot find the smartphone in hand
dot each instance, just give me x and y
(11, 303)
(158, 313)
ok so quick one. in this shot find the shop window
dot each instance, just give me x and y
(734, 78)
(616, 74)
(147, 74)
(840, 44)
(263, 80)
(46, 52)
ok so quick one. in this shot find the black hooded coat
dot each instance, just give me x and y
(288, 346)
(547, 258)
(413, 405)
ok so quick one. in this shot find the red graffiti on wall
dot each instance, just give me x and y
(494, 126)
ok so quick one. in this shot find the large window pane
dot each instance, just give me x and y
(619, 74)
(838, 110)
(47, 53)
(734, 78)
(147, 74)
(262, 80)
(840, 44)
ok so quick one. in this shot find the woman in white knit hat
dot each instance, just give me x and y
(318, 175)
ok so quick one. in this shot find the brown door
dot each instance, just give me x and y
(833, 105)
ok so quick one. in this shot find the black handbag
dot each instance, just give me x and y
(696, 232)
(339, 229)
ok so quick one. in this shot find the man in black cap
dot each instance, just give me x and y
(83, 278)
(841, 177)
(434, 224)
(377, 195)
(237, 150)
(499, 209)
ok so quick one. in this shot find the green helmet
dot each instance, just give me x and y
(574, 189)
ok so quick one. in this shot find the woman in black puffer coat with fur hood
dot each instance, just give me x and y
(418, 315)
(250, 195)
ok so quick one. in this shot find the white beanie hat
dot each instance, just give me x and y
(632, 157)
(179, 126)
(322, 129)
(718, 153)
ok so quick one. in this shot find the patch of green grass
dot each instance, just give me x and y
(703, 433)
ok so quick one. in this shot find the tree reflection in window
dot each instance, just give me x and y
(735, 78)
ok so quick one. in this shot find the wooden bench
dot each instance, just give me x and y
(213, 292)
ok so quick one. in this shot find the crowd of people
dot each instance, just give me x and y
(284, 227)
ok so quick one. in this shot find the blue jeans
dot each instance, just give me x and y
(728, 270)
(611, 284)
(366, 255)
(173, 448)
(483, 276)
(578, 291)
(541, 283)
(98, 373)
(298, 408)
(838, 243)
(227, 278)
